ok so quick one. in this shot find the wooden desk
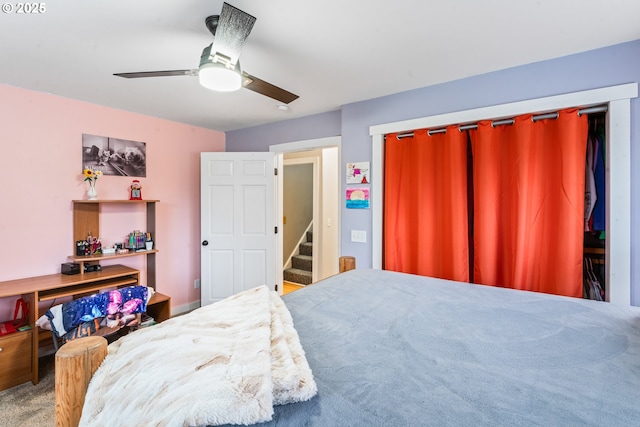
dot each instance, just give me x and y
(21, 346)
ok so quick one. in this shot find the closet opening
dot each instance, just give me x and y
(618, 172)
(523, 236)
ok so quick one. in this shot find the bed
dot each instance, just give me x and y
(392, 349)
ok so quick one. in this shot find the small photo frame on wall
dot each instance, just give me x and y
(358, 173)
(357, 198)
(114, 156)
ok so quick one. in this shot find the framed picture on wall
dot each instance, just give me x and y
(113, 156)
(358, 173)
(357, 198)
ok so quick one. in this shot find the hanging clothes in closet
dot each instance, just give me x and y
(594, 286)
(597, 222)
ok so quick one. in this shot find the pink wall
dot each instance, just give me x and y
(40, 173)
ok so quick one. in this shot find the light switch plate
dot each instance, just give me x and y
(359, 236)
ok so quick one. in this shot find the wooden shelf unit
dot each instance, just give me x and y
(86, 218)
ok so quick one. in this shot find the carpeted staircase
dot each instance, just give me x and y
(301, 266)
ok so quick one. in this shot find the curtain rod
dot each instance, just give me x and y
(590, 110)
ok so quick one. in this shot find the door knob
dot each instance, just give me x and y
(205, 242)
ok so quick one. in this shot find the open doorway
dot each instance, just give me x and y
(299, 215)
(315, 166)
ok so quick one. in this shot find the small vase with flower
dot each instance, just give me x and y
(91, 176)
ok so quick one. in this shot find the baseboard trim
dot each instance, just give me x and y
(183, 309)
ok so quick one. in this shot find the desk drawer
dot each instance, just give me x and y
(15, 359)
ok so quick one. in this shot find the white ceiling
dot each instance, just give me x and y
(329, 52)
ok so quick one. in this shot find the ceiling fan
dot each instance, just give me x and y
(219, 63)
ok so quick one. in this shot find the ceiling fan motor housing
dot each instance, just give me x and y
(216, 72)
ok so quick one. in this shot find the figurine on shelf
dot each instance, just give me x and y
(95, 245)
(135, 190)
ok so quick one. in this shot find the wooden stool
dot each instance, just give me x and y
(76, 362)
(347, 263)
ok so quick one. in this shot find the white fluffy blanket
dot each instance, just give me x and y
(226, 363)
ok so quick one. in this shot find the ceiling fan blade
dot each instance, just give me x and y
(157, 74)
(267, 89)
(232, 30)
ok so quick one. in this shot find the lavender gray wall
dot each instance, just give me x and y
(259, 138)
(609, 66)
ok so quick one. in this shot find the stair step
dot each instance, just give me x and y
(306, 248)
(296, 275)
(309, 236)
(302, 262)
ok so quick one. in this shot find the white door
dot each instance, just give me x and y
(237, 223)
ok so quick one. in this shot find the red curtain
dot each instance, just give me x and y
(529, 203)
(425, 204)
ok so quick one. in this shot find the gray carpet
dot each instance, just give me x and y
(28, 405)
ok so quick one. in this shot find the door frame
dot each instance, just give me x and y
(291, 147)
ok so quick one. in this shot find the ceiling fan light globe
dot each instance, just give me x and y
(218, 77)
